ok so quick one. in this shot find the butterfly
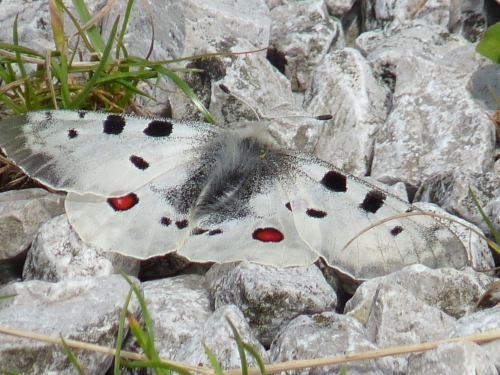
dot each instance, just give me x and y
(145, 187)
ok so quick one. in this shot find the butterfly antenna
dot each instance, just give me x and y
(226, 90)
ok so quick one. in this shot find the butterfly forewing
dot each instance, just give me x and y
(91, 152)
(340, 211)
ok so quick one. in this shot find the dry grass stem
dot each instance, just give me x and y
(284, 366)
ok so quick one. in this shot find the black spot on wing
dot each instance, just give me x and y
(72, 133)
(165, 221)
(198, 231)
(317, 214)
(396, 230)
(214, 232)
(114, 124)
(139, 162)
(48, 115)
(335, 181)
(374, 199)
(81, 114)
(323, 117)
(288, 206)
(224, 89)
(159, 128)
(181, 224)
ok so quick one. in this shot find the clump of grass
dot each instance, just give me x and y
(109, 80)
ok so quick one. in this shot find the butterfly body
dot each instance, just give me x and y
(145, 187)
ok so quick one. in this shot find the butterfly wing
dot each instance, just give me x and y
(102, 154)
(331, 208)
(255, 225)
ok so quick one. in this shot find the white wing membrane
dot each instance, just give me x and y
(92, 161)
(383, 249)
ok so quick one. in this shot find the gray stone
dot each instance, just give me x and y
(178, 307)
(478, 322)
(325, 335)
(343, 85)
(384, 48)
(396, 317)
(454, 358)
(258, 92)
(85, 310)
(391, 14)
(453, 292)
(451, 192)
(183, 27)
(21, 214)
(270, 297)
(218, 336)
(338, 8)
(34, 23)
(427, 134)
(58, 254)
(304, 33)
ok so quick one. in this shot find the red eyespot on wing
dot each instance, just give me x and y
(267, 235)
(123, 203)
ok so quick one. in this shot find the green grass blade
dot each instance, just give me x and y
(8, 296)
(215, 363)
(147, 340)
(121, 328)
(485, 217)
(29, 90)
(7, 101)
(257, 357)
(157, 365)
(93, 32)
(5, 74)
(489, 46)
(61, 73)
(123, 30)
(24, 50)
(241, 349)
(57, 23)
(343, 370)
(140, 335)
(92, 82)
(187, 90)
(137, 75)
(72, 358)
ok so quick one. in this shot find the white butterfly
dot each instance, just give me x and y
(145, 187)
